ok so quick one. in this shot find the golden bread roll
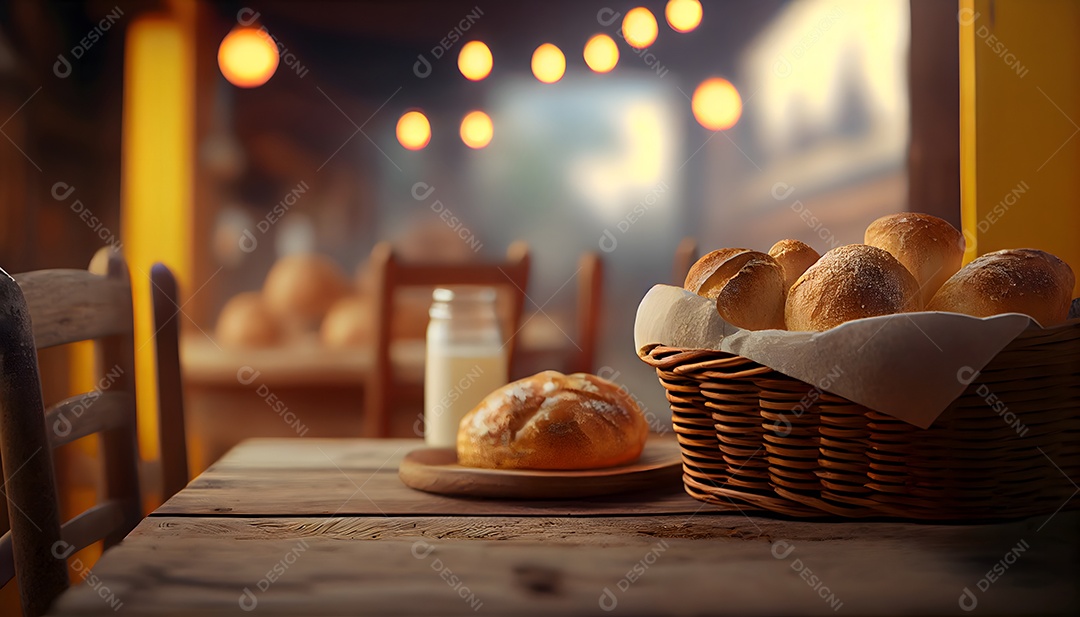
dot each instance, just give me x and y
(553, 421)
(752, 291)
(245, 321)
(697, 279)
(850, 282)
(930, 248)
(349, 323)
(794, 257)
(303, 287)
(1027, 281)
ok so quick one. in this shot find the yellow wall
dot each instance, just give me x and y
(157, 179)
(1020, 119)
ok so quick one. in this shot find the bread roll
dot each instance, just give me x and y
(245, 321)
(303, 287)
(850, 282)
(553, 421)
(1027, 281)
(349, 323)
(930, 248)
(748, 287)
(697, 279)
(794, 257)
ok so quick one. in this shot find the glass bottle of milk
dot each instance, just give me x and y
(465, 361)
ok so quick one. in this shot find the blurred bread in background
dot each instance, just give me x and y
(850, 282)
(348, 323)
(929, 247)
(1027, 281)
(247, 322)
(301, 288)
(794, 257)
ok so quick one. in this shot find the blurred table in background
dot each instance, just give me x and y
(309, 390)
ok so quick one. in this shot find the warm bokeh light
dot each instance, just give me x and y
(639, 27)
(717, 104)
(548, 63)
(477, 130)
(683, 15)
(474, 61)
(413, 130)
(601, 53)
(247, 57)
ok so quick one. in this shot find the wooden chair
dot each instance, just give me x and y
(44, 309)
(589, 299)
(383, 390)
(172, 437)
(686, 254)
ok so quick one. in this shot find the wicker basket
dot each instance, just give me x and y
(755, 439)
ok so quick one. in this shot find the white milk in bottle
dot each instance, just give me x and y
(466, 359)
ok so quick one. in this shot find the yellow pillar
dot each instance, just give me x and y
(157, 178)
(1020, 126)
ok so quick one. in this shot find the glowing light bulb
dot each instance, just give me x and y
(683, 15)
(601, 53)
(413, 130)
(716, 104)
(639, 27)
(477, 130)
(548, 63)
(247, 57)
(474, 61)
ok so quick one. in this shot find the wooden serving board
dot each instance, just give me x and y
(435, 470)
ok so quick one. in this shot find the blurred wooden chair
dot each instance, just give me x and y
(589, 303)
(686, 254)
(384, 392)
(172, 436)
(48, 308)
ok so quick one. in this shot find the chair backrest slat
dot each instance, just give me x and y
(70, 420)
(590, 293)
(171, 432)
(74, 305)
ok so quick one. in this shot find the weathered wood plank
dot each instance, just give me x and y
(352, 454)
(74, 305)
(352, 492)
(327, 566)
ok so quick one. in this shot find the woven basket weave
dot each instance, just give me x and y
(755, 439)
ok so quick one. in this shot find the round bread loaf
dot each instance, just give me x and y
(794, 257)
(302, 287)
(850, 282)
(553, 421)
(349, 323)
(930, 248)
(697, 279)
(1027, 281)
(245, 321)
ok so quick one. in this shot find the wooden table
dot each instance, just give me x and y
(322, 527)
